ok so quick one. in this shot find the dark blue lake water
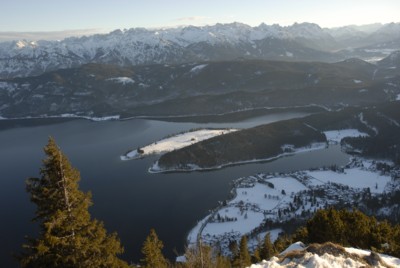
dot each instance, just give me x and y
(126, 198)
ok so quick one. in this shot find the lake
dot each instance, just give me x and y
(126, 197)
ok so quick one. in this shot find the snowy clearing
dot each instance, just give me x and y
(175, 142)
(198, 68)
(353, 177)
(122, 80)
(335, 136)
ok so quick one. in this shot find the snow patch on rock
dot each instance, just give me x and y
(313, 260)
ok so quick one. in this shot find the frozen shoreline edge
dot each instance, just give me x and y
(160, 117)
(314, 146)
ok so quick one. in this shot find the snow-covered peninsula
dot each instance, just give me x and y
(288, 149)
(175, 142)
(262, 200)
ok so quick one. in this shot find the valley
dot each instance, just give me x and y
(217, 88)
(232, 130)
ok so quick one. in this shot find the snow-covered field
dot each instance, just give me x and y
(198, 68)
(312, 260)
(335, 136)
(266, 197)
(122, 80)
(353, 177)
(175, 142)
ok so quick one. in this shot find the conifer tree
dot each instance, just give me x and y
(68, 236)
(242, 259)
(282, 242)
(256, 257)
(204, 256)
(267, 248)
(326, 225)
(151, 250)
(233, 247)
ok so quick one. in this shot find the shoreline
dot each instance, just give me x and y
(118, 117)
(209, 230)
(317, 146)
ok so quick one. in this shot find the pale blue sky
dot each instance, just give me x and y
(59, 15)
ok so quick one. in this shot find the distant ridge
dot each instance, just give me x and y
(137, 46)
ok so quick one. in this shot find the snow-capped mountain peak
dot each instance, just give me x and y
(174, 45)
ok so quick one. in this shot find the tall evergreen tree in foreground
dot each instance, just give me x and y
(203, 256)
(242, 259)
(267, 248)
(68, 236)
(151, 250)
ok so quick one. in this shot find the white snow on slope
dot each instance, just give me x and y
(246, 222)
(362, 120)
(337, 135)
(139, 45)
(310, 260)
(176, 142)
(357, 81)
(295, 246)
(395, 262)
(122, 80)
(246, 211)
(289, 54)
(198, 68)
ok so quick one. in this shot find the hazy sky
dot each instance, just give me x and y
(61, 15)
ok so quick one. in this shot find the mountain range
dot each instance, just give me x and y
(220, 42)
(204, 88)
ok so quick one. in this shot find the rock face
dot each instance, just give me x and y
(299, 42)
